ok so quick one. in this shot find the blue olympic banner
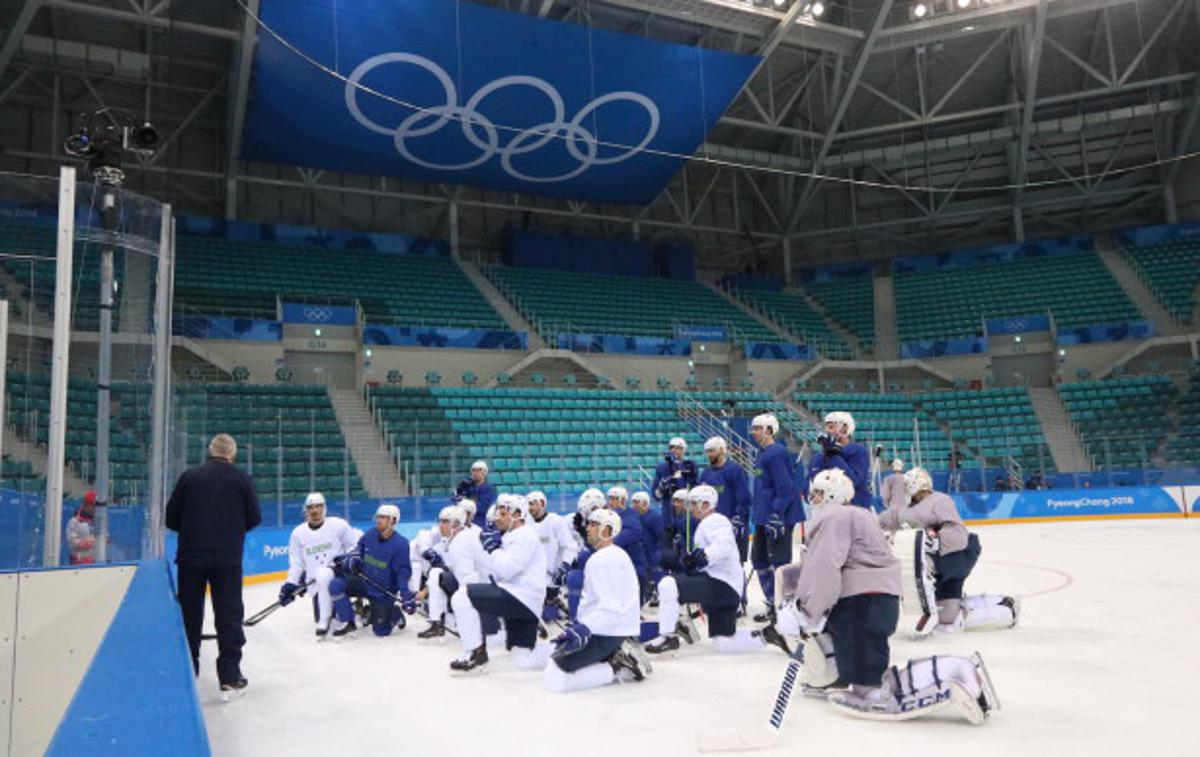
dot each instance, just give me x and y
(779, 351)
(318, 315)
(628, 345)
(463, 93)
(1017, 324)
(291, 235)
(239, 329)
(702, 333)
(1110, 332)
(967, 345)
(1050, 503)
(433, 336)
(1002, 253)
(1154, 234)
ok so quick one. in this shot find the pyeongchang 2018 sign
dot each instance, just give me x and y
(456, 92)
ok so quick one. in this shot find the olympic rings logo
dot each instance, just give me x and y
(484, 134)
(317, 315)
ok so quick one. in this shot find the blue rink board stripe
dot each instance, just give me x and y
(138, 695)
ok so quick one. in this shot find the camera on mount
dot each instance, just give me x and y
(105, 137)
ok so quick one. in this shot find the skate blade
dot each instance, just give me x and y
(736, 741)
(989, 689)
(472, 673)
(636, 651)
(966, 705)
(229, 695)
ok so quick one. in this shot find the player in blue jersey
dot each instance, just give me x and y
(777, 508)
(476, 488)
(673, 473)
(733, 490)
(652, 529)
(839, 451)
(378, 569)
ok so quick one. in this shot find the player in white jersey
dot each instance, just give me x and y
(559, 544)
(517, 566)
(590, 651)
(311, 550)
(456, 561)
(425, 540)
(713, 580)
(954, 557)
(849, 587)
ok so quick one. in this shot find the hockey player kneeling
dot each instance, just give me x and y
(595, 650)
(939, 547)
(849, 588)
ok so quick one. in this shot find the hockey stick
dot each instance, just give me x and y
(741, 741)
(257, 617)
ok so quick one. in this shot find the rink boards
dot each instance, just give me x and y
(265, 553)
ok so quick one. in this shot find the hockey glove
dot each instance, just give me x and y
(560, 575)
(287, 593)
(434, 558)
(695, 560)
(350, 563)
(775, 526)
(464, 487)
(574, 636)
(490, 539)
(829, 445)
(409, 606)
(739, 527)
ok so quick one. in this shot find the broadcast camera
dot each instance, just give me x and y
(105, 137)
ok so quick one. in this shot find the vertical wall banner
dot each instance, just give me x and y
(481, 96)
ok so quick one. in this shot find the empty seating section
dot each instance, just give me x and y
(28, 403)
(851, 302)
(19, 475)
(288, 436)
(543, 438)
(1171, 269)
(794, 314)
(996, 424)
(1076, 288)
(559, 301)
(886, 419)
(220, 276)
(1184, 449)
(36, 276)
(1121, 421)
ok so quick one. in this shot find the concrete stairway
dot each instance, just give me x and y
(832, 323)
(19, 449)
(500, 303)
(1147, 304)
(783, 334)
(379, 475)
(887, 342)
(1059, 432)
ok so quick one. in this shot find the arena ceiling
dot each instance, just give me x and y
(867, 132)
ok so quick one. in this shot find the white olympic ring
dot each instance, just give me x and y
(317, 315)
(484, 134)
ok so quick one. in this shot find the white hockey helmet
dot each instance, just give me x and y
(591, 499)
(680, 494)
(518, 506)
(715, 443)
(897, 465)
(536, 496)
(389, 511)
(314, 499)
(840, 417)
(917, 480)
(469, 507)
(640, 497)
(767, 421)
(479, 465)
(454, 515)
(702, 498)
(606, 519)
(834, 486)
(619, 492)
(490, 516)
(677, 441)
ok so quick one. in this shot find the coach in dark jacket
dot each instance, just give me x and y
(212, 508)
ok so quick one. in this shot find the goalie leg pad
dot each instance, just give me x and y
(820, 663)
(918, 603)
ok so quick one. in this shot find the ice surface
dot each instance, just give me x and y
(1105, 661)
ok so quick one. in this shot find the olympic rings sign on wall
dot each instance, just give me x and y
(485, 134)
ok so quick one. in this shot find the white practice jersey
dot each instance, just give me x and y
(310, 548)
(465, 557)
(611, 601)
(426, 539)
(519, 567)
(558, 541)
(715, 536)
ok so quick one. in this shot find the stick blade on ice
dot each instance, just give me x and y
(768, 736)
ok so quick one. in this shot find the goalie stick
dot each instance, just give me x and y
(742, 741)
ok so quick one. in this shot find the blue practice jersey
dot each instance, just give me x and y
(385, 562)
(776, 491)
(652, 535)
(484, 496)
(733, 489)
(855, 460)
(630, 538)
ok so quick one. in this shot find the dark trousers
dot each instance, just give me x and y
(771, 553)
(597, 649)
(950, 571)
(520, 624)
(859, 627)
(225, 583)
(719, 602)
